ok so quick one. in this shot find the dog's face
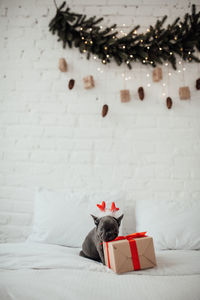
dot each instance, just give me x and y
(107, 227)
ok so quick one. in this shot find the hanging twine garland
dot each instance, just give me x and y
(154, 47)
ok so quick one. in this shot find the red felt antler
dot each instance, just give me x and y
(102, 206)
(113, 207)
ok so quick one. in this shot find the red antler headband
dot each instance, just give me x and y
(102, 207)
(113, 207)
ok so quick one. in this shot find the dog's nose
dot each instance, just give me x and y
(109, 234)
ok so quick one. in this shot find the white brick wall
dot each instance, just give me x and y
(53, 137)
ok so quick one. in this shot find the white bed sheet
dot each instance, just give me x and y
(41, 271)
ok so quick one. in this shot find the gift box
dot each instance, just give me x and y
(125, 96)
(130, 253)
(184, 93)
(157, 74)
(88, 82)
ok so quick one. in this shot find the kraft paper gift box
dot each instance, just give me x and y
(130, 253)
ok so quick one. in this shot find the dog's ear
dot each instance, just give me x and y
(119, 220)
(96, 220)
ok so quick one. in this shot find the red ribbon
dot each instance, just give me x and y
(133, 247)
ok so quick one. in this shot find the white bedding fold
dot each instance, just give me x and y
(17, 256)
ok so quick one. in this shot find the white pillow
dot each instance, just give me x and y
(63, 217)
(173, 225)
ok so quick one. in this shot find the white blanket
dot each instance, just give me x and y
(57, 272)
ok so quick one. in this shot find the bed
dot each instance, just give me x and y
(43, 271)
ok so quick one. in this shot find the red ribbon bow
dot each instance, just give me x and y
(133, 247)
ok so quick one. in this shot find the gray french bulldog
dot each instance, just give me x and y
(107, 229)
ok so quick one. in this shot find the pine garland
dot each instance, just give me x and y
(156, 46)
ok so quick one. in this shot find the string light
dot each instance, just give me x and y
(163, 94)
(103, 61)
(127, 62)
(141, 41)
(143, 61)
(179, 62)
(179, 71)
(166, 64)
(123, 47)
(84, 50)
(164, 84)
(131, 55)
(95, 57)
(169, 74)
(148, 75)
(81, 28)
(124, 24)
(107, 55)
(105, 48)
(85, 42)
(148, 30)
(101, 27)
(123, 74)
(91, 42)
(170, 53)
(151, 62)
(184, 69)
(148, 47)
(160, 49)
(189, 52)
(82, 38)
(148, 84)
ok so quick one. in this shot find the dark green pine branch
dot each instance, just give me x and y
(156, 46)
